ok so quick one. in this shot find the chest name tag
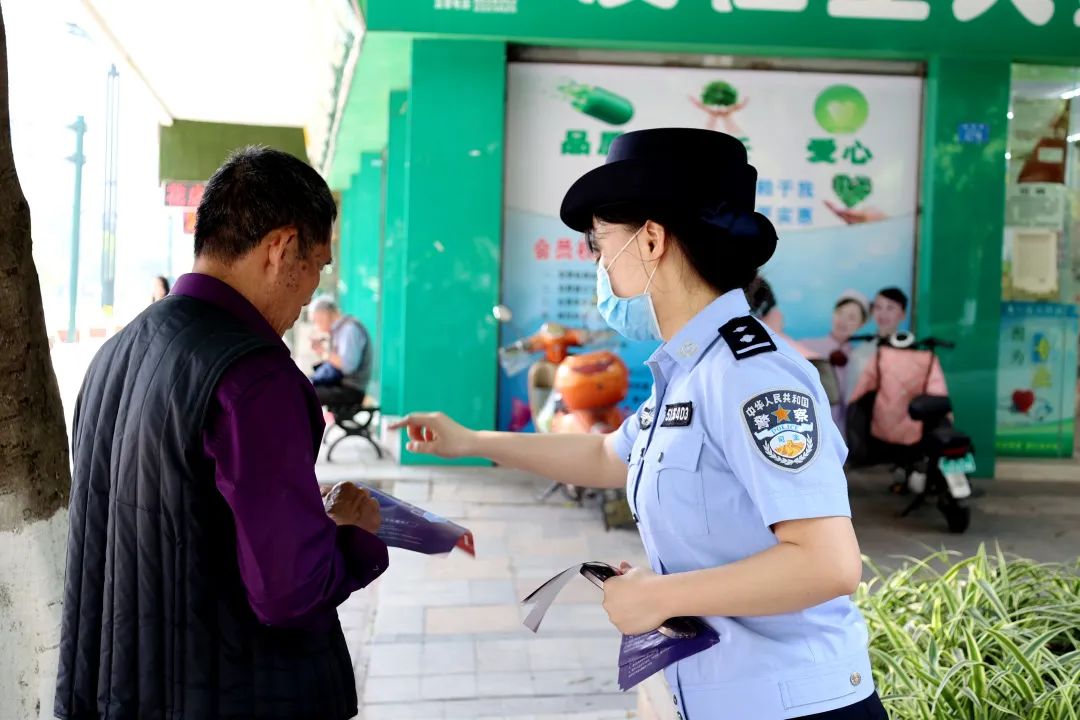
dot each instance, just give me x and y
(645, 418)
(783, 427)
(678, 415)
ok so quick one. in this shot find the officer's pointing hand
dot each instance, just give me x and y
(435, 434)
(629, 600)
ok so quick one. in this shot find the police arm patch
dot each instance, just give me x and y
(783, 427)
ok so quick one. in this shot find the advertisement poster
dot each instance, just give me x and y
(837, 157)
(1037, 379)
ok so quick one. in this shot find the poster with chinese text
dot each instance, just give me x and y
(1037, 379)
(837, 158)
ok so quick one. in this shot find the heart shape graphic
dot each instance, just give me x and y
(852, 190)
(842, 112)
(1023, 400)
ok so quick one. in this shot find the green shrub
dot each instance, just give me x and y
(985, 638)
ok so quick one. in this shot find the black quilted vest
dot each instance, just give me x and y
(156, 623)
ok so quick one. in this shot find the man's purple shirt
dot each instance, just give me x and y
(295, 562)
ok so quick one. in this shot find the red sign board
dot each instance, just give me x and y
(183, 194)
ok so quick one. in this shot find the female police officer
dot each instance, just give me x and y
(735, 467)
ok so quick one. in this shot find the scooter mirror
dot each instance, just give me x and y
(502, 313)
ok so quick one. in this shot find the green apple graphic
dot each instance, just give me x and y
(841, 109)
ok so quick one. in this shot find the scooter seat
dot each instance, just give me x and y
(929, 407)
(948, 441)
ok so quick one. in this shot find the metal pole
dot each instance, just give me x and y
(108, 222)
(79, 126)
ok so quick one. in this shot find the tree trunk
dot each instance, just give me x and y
(34, 464)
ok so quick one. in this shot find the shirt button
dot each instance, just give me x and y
(856, 678)
(675, 699)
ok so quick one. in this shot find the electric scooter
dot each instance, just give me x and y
(938, 465)
(573, 393)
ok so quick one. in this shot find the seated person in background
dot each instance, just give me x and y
(345, 348)
(888, 311)
(849, 314)
(899, 376)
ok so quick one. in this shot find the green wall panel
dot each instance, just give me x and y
(391, 338)
(359, 261)
(383, 66)
(454, 228)
(959, 273)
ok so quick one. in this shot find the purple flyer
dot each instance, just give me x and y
(411, 528)
(642, 656)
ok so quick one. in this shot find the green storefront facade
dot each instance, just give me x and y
(420, 159)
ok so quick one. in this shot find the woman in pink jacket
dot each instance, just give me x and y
(899, 375)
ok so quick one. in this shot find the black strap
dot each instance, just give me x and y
(747, 337)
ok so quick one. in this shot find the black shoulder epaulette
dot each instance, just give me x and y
(747, 337)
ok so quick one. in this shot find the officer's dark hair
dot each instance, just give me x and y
(896, 295)
(723, 263)
(258, 190)
(760, 297)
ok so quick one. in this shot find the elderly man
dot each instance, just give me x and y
(345, 348)
(203, 570)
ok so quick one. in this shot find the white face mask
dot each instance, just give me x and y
(633, 317)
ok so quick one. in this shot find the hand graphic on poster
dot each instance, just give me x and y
(720, 101)
(852, 216)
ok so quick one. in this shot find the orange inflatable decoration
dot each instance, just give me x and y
(555, 341)
(592, 380)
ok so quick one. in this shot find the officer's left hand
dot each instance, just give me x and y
(630, 600)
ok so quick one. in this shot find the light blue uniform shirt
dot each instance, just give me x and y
(723, 449)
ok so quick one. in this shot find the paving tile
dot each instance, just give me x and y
(473, 619)
(575, 545)
(399, 621)
(554, 654)
(492, 592)
(572, 682)
(504, 684)
(425, 593)
(463, 567)
(391, 689)
(448, 657)
(447, 687)
(509, 656)
(394, 659)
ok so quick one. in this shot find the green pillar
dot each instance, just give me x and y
(959, 273)
(391, 342)
(360, 254)
(453, 225)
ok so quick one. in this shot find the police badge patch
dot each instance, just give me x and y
(783, 426)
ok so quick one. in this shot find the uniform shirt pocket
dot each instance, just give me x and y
(680, 494)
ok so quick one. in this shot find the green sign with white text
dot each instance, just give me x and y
(1030, 30)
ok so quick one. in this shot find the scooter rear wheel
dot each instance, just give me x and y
(957, 514)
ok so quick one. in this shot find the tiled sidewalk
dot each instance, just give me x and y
(442, 637)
